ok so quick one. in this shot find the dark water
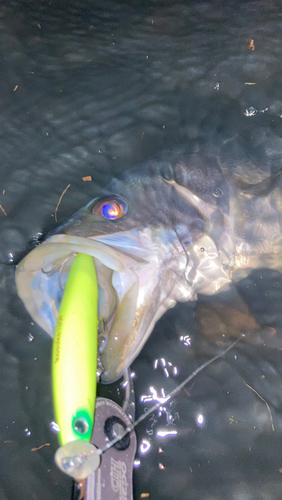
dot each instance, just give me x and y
(90, 89)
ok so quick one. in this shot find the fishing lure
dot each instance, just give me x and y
(74, 364)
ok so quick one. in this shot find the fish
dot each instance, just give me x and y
(187, 222)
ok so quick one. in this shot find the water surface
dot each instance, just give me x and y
(90, 89)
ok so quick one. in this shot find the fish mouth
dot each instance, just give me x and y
(126, 319)
(141, 273)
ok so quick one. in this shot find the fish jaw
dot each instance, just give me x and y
(136, 286)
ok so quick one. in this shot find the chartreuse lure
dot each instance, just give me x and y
(74, 367)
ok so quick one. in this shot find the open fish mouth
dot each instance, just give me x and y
(125, 280)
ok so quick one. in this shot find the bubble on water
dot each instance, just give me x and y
(217, 85)
(27, 432)
(30, 337)
(251, 111)
(54, 427)
(10, 257)
(12, 242)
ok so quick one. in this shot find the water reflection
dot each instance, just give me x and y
(200, 420)
(154, 396)
(144, 446)
(185, 339)
(166, 366)
(165, 433)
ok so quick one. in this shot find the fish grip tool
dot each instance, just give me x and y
(113, 478)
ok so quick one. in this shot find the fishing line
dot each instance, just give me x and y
(65, 261)
(168, 397)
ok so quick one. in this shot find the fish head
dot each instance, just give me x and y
(152, 246)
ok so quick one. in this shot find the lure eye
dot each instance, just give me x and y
(110, 208)
(80, 425)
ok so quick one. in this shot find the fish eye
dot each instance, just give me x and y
(110, 211)
(110, 208)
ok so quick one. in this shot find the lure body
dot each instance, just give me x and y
(75, 350)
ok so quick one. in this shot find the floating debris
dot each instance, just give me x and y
(267, 405)
(251, 44)
(59, 202)
(3, 210)
(40, 447)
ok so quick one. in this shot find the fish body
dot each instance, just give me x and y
(182, 224)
